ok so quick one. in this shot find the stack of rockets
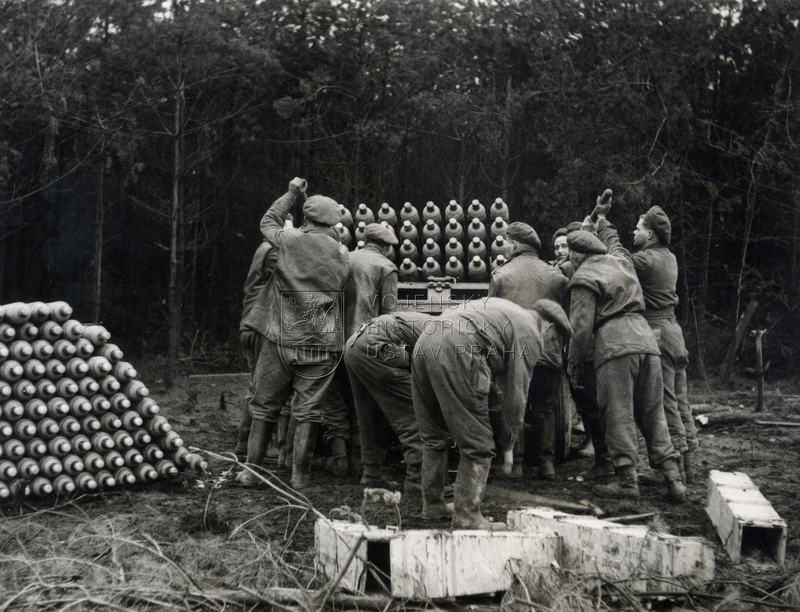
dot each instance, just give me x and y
(465, 243)
(74, 416)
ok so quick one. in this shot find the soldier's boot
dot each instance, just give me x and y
(681, 468)
(625, 485)
(672, 476)
(337, 463)
(545, 469)
(602, 468)
(470, 485)
(413, 481)
(243, 434)
(305, 438)
(373, 476)
(689, 466)
(434, 474)
(651, 478)
(290, 443)
(283, 430)
(260, 432)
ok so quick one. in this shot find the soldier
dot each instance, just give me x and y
(304, 326)
(525, 279)
(450, 375)
(371, 290)
(585, 395)
(251, 333)
(378, 363)
(251, 326)
(560, 248)
(605, 298)
(657, 270)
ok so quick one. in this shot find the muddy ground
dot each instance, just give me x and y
(205, 533)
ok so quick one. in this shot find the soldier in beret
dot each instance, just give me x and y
(607, 301)
(371, 290)
(525, 279)
(585, 395)
(303, 333)
(657, 270)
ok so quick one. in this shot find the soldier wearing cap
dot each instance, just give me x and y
(378, 363)
(371, 290)
(251, 327)
(451, 373)
(525, 279)
(657, 270)
(303, 328)
(585, 395)
(607, 300)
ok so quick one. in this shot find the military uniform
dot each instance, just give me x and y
(261, 268)
(524, 280)
(378, 364)
(371, 290)
(303, 321)
(585, 393)
(606, 299)
(657, 270)
(451, 374)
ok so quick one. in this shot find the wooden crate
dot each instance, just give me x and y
(429, 564)
(647, 560)
(334, 541)
(437, 294)
(743, 517)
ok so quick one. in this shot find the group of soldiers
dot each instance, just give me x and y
(329, 353)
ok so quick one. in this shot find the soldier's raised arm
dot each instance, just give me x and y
(273, 220)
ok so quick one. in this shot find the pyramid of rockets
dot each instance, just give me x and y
(74, 416)
(466, 243)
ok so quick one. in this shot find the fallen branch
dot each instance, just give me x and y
(631, 518)
(732, 418)
(778, 423)
(558, 504)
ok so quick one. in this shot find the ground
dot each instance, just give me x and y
(202, 542)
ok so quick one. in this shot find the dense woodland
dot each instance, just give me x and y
(141, 141)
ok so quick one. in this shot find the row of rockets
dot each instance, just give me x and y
(468, 246)
(73, 414)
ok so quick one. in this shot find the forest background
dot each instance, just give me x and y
(141, 141)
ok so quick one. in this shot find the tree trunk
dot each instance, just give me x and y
(726, 372)
(175, 306)
(702, 290)
(684, 277)
(99, 220)
(793, 281)
(505, 173)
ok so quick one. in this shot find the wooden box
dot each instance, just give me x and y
(743, 517)
(647, 560)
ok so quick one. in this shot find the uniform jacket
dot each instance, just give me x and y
(606, 298)
(261, 268)
(391, 337)
(657, 270)
(303, 303)
(371, 288)
(505, 337)
(525, 279)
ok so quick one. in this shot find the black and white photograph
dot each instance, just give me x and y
(398, 305)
